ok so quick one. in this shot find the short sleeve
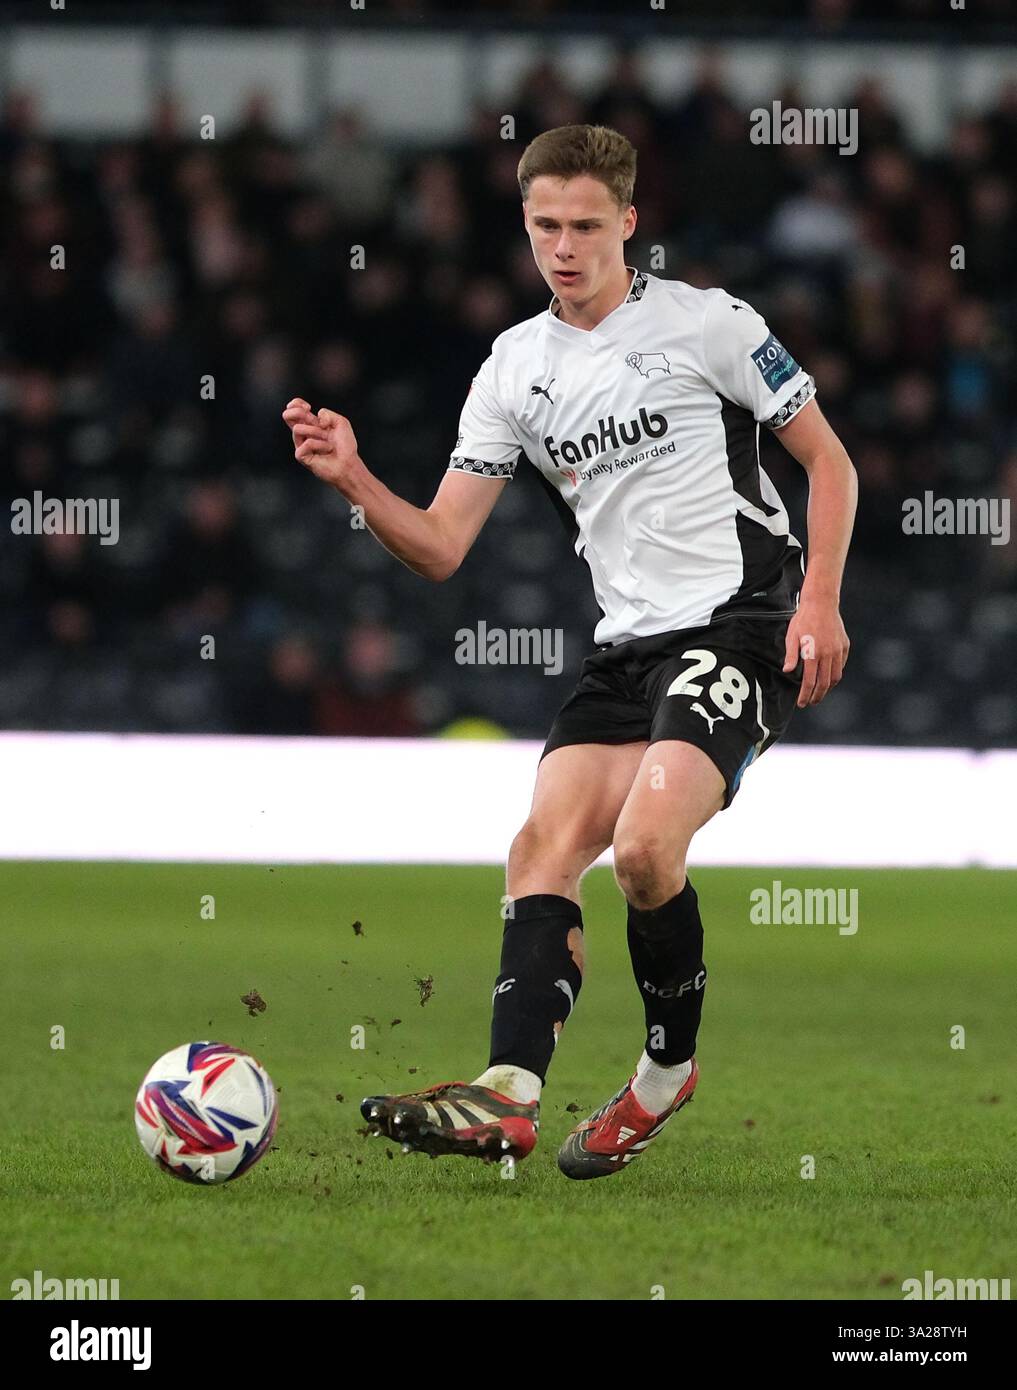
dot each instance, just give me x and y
(751, 367)
(487, 444)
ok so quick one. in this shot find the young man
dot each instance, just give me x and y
(639, 401)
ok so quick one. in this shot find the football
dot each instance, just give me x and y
(206, 1112)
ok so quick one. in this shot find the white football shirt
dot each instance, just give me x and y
(646, 428)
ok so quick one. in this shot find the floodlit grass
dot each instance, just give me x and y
(813, 1043)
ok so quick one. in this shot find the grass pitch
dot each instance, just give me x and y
(813, 1043)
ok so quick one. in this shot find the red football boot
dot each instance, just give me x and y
(616, 1134)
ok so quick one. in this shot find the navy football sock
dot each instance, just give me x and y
(539, 980)
(666, 947)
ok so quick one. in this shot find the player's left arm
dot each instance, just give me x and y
(816, 632)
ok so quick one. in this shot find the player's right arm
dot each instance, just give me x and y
(433, 542)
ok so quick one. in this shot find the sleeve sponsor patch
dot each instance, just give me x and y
(775, 363)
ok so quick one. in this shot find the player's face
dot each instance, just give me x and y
(577, 232)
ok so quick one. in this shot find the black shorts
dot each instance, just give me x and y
(720, 687)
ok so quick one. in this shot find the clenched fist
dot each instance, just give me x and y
(324, 443)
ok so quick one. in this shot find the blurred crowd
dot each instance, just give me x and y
(819, 15)
(208, 282)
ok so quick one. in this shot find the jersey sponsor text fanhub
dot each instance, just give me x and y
(687, 529)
